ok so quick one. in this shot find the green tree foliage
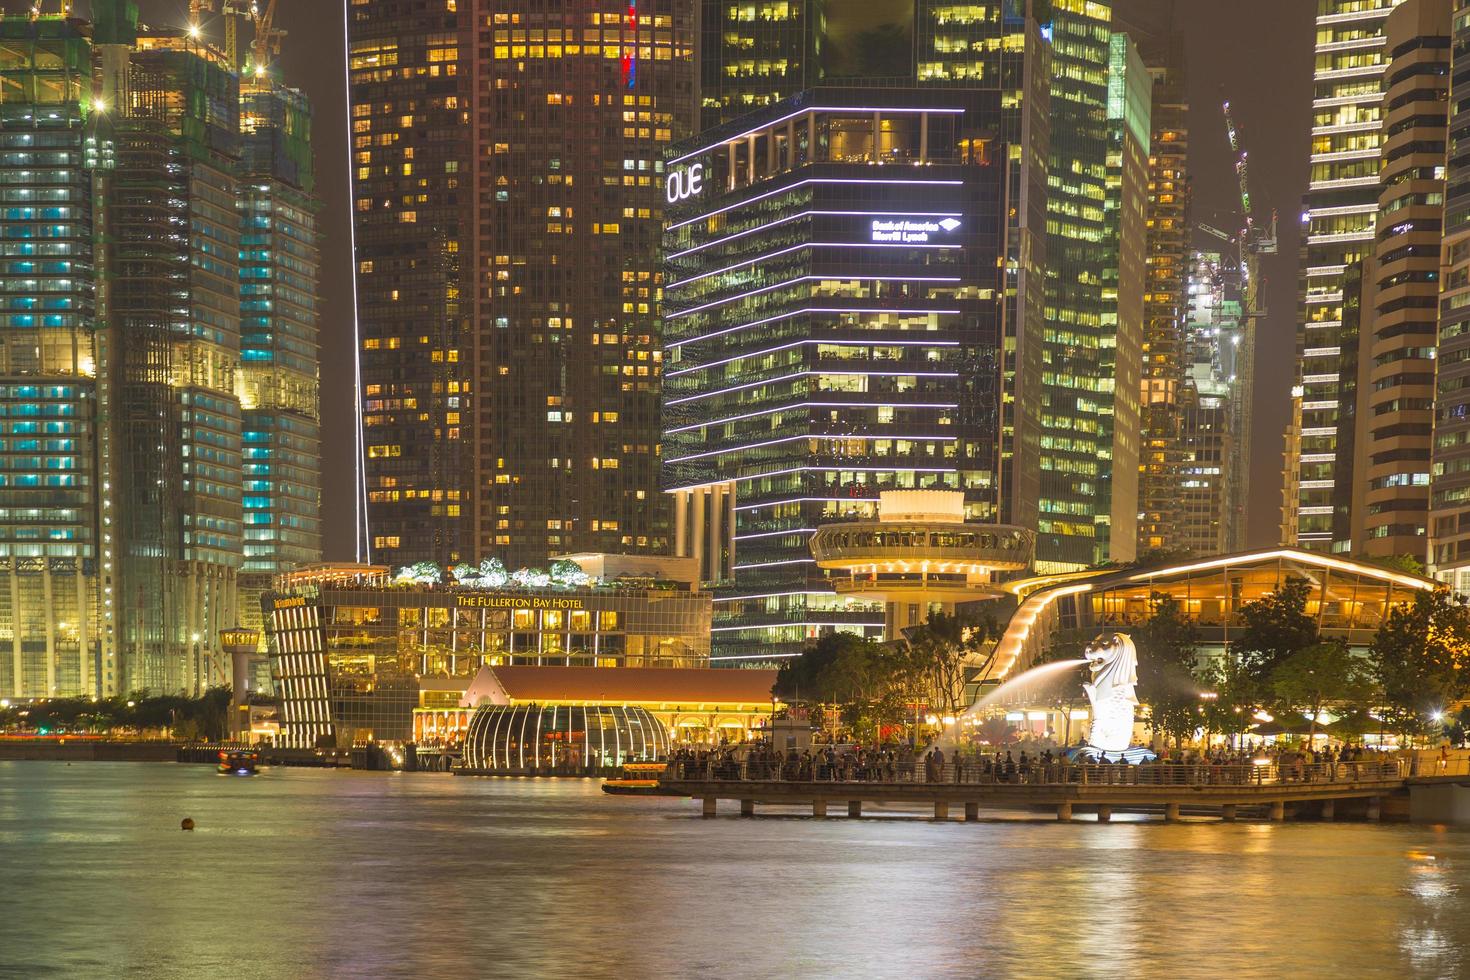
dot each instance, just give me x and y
(1457, 727)
(1167, 664)
(1275, 626)
(857, 674)
(940, 657)
(1325, 673)
(1421, 657)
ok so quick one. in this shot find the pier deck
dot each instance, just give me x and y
(1345, 789)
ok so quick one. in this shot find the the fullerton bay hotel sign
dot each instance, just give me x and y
(483, 601)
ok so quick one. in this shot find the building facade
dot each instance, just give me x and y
(508, 205)
(1449, 502)
(351, 661)
(1073, 528)
(1130, 92)
(833, 317)
(57, 631)
(124, 398)
(1338, 225)
(1397, 360)
(1170, 227)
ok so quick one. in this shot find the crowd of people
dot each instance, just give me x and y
(899, 762)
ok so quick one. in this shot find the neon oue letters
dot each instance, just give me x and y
(684, 183)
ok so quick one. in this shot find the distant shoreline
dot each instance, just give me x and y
(85, 750)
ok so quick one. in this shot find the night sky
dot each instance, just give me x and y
(1257, 53)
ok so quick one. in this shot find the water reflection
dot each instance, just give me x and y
(371, 874)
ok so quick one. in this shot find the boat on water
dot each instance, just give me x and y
(636, 779)
(239, 763)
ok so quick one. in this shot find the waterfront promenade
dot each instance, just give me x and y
(1327, 791)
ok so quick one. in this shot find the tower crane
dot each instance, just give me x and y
(233, 11)
(267, 35)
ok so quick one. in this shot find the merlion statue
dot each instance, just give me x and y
(1113, 660)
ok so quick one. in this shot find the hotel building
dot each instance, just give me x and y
(354, 654)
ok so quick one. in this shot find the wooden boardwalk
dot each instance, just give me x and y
(1344, 790)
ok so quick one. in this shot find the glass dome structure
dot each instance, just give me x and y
(527, 738)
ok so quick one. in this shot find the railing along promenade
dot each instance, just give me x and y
(1061, 785)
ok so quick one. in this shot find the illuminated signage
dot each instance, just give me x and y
(516, 602)
(291, 603)
(684, 182)
(916, 231)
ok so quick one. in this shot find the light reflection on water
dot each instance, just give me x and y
(305, 873)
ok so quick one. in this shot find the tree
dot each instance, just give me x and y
(1326, 673)
(1421, 656)
(857, 674)
(1457, 727)
(1167, 660)
(942, 654)
(1275, 626)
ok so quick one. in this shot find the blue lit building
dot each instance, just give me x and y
(56, 632)
(279, 261)
(158, 318)
(834, 315)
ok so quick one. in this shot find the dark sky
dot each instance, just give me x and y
(1257, 53)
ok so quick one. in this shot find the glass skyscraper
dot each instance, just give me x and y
(122, 399)
(834, 319)
(56, 625)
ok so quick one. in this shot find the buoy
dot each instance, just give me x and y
(187, 824)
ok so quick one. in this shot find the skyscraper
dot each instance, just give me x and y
(279, 324)
(123, 473)
(508, 205)
(55, 554)
(175, 304)
(1396, 390)
(1161, 44)
(834, 317)
(1073, 528)
(1338, 220)
(1449, 503)
(1130, 90)
(1205, 483)
(975, 368)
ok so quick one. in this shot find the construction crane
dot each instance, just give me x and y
(1258, 239)
(233, 11)
(267, 35)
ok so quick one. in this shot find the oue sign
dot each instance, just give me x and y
(684, 183)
